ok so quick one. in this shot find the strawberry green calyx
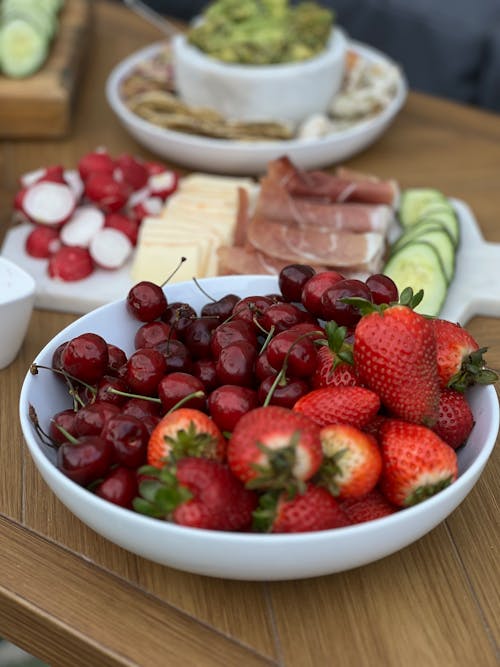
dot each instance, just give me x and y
(426, 491)
(277, 471)
(263, 517)
(190, 442)
(161, 494)
(473, 371)
(335, 341)
(407, 298)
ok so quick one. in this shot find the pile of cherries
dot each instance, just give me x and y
(236, 354)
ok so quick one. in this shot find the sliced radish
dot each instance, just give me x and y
(163, 184)
(151, 206)
(42, 242)
(48, 203)
(106, 192)
(73, 179)
(85, 222)
(154, 167)
(110, 248)
(70, 264)
(97, 161)
(138, 196)
(123, 224)
(132, 171)
(31, 177)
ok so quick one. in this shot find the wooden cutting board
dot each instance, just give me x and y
(40, 106)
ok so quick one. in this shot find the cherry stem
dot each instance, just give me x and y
(70, 438)
(194, 394)
(203, 291)
(269, 336)
(181, 262)
(68, 377)
(44, 437)
(112, 390)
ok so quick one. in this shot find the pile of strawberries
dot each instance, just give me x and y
(199, 426)
(89, 217)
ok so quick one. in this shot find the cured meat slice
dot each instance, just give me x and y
(348, 187)
(277, 203)
(314, 245)
(246, 260)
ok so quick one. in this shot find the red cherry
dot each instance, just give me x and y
(129, 439)
(176, 356)
(86, 460)
(119, 486)
(146, 301)
(281, 316)
(251, 308)
(197, 336)
(140, 408)
(343, 313)
(222, 308)
(105, 389)
(300, 354)
(144, 370)
(228, 403)
(86, 357)
(232, 332)
(66, 419)
(382, 288)
(292, 279)
(179, 315)
(263, 368)
(285, 395)
(204, 370)
(116, 359)
(235, 364)
(176, 386)
(150, 334)
(90, 419)
(314, 289)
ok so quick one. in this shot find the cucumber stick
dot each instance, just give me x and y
(27, 28)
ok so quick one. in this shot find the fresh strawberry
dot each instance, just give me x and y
(314, 509)
(333, 405)
(395, 356)
(196, 492)
(374, 505)
(373, 427)
(352, 461)
(416, 463)
(185, 432)
(460, 359)
(274, 447)
(334, 362)
(455, 419)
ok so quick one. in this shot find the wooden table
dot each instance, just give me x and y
(72, 598)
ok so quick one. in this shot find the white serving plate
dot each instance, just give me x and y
(238, 555)
(244, 158)
(474, 290)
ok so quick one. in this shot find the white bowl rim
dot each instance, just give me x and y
(224, 537)
(336, 46)
(197, 141)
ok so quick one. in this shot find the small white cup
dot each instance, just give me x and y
(17, 298)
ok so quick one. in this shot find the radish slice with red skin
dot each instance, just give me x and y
(85, 222)
(70, 264)
(31, 177)
(42, 242)
(163, 184)
(132, 171)
(106, 192)
(48, 203)
(138, 196)
(110, 248)
(73, 179)
(97, 161)
(123, 224)
(154, 167)
(151, 206)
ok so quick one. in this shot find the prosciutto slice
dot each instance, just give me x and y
(277, 203)
(316, 245)
(348, 187)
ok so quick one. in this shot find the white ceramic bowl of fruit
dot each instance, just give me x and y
(242, 554)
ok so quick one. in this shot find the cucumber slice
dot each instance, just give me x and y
(23, 49)
(43, 23)
(418, 265)
(416, 230)
(444, 216)
(442, 243)
(414, 200)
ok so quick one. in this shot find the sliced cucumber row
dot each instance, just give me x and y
(27, 28)
(424, 256)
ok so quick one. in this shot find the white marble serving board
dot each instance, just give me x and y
(475, 289)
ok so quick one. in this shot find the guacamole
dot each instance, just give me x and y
(262, 32)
